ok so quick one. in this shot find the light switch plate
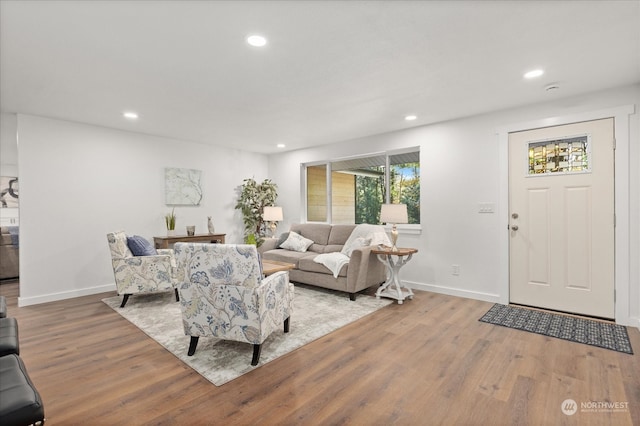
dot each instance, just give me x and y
(486, 207)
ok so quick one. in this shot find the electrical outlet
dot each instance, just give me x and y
(455, 269)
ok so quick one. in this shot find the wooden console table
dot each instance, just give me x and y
(168, 241)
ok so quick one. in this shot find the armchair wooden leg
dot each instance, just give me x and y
(256, 354)
(124, 299)
(192, 345)
(177, 295)
(286, 324)
(352, 297)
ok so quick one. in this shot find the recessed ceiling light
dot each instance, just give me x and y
(281, 145)
(411, 117)
(130, 115)
(256, 40)
(534, 73)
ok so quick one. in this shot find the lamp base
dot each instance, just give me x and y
(394, 237)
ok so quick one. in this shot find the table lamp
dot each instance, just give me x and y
(272, 214)
(394, 214)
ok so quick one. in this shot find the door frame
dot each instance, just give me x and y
(621, 204)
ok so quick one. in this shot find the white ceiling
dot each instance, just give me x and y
(331, 71)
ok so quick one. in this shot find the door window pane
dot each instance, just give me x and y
(568, 155)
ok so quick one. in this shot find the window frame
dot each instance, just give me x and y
(402, 228)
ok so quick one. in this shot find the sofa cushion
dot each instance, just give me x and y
(296, 242)
(140, 246)
(282, 255)
(5, 240)
(307, 264)
(318, 232)
(340, 233)
(317, 248)
(332, 248)
(281, 239)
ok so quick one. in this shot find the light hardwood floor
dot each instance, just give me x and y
(428, 361)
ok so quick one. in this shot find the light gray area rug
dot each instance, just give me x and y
(317, 312)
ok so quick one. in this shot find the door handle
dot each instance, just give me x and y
(514, 228)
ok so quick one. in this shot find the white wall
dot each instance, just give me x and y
(78, 182)
(460, 167)
(8, 144)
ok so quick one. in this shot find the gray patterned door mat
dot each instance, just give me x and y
(580, 330)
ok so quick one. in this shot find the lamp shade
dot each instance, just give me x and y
(394, 213)
(272, 214)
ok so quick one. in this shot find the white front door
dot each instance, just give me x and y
(561, 208)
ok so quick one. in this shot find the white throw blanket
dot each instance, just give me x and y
(334, 261)
(362, 235)
(374, 233)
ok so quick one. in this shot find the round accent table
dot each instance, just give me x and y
(393, 287)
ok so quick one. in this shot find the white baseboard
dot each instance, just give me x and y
(631, 322)
(485, 297)
(494, 298)
(53, 297)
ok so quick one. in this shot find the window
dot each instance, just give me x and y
(360, 185)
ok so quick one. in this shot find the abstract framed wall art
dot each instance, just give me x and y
(182, 187)
(8, 192)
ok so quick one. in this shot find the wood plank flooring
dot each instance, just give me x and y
(426, 362)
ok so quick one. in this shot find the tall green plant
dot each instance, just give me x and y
(170, 220)
(252, 200)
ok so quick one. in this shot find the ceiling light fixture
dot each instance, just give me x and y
(130, 115)
(256, 40)
(281, 145)
(410, 117)
(534, 73)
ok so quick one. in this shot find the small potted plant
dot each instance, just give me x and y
(170, 221)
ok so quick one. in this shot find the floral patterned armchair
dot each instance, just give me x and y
(223, 294)
(140, 274)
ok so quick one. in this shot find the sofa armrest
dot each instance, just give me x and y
(160, 259)
(365, 270)
(171, 254)
(142, 273)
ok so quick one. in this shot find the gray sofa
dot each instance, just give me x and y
(364, 270)
(9, 259)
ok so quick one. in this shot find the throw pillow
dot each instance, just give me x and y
(355, 244)
(140, 246)
(296, 242)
